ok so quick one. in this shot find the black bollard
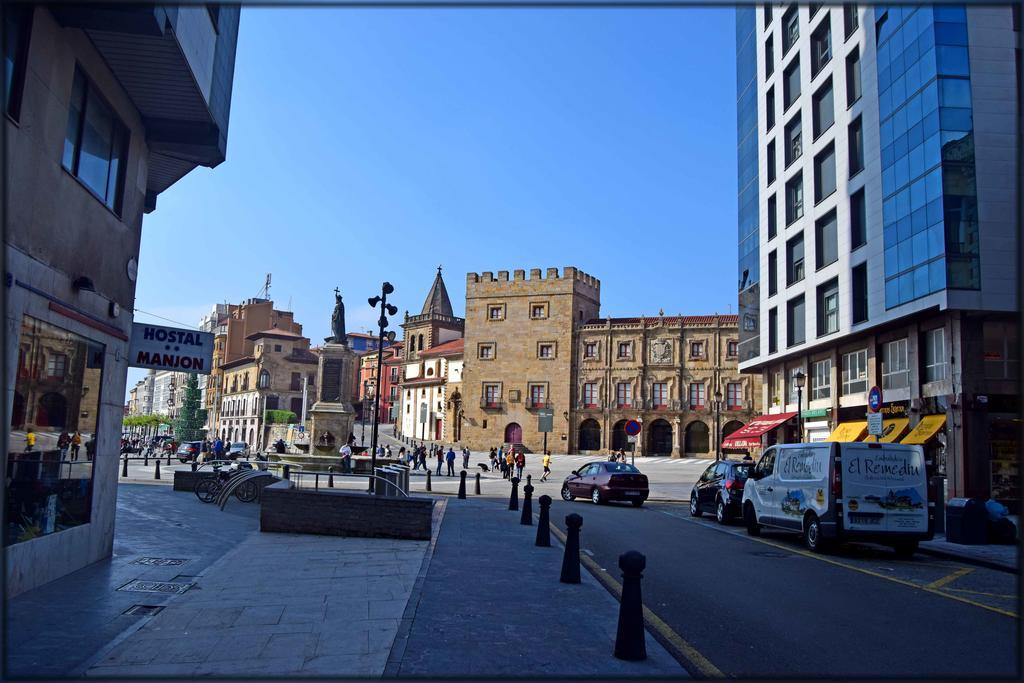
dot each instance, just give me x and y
(156, 472)
(513, 499)
(571, 559)
(124, 469)
(526, 518)
(428, 480)
(462, 485)
(630, 641)
(330, 476)
(168, 457)
(194, 466)
(543, 528)
(286, 471)
(477, 484)
(145, 457)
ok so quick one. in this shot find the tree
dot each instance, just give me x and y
(191, 418)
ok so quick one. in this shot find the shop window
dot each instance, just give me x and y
(935, 362)
(821, 379)
(855, 372)
(49, 485)
(895, 365)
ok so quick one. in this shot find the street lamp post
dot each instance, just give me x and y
(366, 409)
(382, 323)
(798, 379)
(718, 423)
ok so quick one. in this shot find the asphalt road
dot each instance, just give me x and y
(767, 608)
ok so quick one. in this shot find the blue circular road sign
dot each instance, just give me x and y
(875, 399)
(632, 428)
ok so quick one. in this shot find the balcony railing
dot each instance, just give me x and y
(492, 404)
(536, 405)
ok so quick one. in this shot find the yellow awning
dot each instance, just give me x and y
(892, 430)
(848, 431)
(925, 429)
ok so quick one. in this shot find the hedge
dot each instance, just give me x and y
(280, 417)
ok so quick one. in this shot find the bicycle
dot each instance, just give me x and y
(208, 489)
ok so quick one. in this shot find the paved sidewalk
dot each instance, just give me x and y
(491, 605)
(1005, 557)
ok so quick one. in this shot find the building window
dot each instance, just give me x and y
(769, 57)
(495, 312)
(545, 350)
(94, 129)
(790, 29)
(696, 349)
(485, 351)
(773, 272)
(492, 395)
(17, 31)
(773, 210)
(770, 162)
(659, 394)
(858, 220)
(394, 375)
(823, 107)
(264, 380)
(773, 330)
(623, 394)
(625, 350)
(795, 321)
(826, 240)
(895, 365)
(775, 389)
(697, 396)
(590, 350)
(769, 108)
(856, 143)
(851, 20)
(825, 173)
(277, 348)
(821, 379)
(590, 395)
(853, 86)
(793, 147)
(935, 355)
(791, 84)
(794, 392)
(538, 311)
(855, 372)
(537, 396)
(734, 396)
(828, 307)
(794, 198)
(56, 365)
(795, 260)
(859, 280)
(732, 348)
(821, 47)
(767, 14)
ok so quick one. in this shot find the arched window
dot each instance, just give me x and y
(421, 342)
(697, 438)
(590, 436)
(264, 380)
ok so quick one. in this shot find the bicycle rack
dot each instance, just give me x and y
(235, 481)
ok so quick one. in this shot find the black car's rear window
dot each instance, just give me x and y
(621, 468)
(742, 471)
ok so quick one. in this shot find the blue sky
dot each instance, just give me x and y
(377, 144)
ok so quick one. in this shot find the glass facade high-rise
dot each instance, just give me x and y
(747, 166)
(929, 209)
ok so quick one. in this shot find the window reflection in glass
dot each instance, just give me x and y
(51, 444)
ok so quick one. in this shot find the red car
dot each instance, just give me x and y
(605, 481)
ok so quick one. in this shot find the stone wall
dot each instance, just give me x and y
(341, 513)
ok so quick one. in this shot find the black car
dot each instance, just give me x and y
(720, 488)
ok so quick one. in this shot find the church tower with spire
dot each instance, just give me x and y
(436, 324)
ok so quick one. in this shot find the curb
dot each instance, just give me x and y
(980, 562)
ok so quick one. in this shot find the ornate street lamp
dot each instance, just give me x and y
(382, 324)
(718, 423)
(798, 379)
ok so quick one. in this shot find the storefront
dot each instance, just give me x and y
(816, 425)
(762, 431)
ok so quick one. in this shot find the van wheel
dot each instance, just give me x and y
(905, 549)
(695, 510)
(812, 533)
(753, 528)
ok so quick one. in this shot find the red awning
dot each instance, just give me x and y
(749, 435)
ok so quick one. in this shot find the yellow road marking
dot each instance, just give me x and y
(651, 620)
(950, 578)
(810, 555)
(989, 595)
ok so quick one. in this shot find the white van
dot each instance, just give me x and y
(842, 491)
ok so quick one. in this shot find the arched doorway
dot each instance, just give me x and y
(513, 433)
(659, 438)
(18, 411)
(590, 436)
(697, 438)
(52, 410)
(619, 436)
(251, 440)
(730, 427)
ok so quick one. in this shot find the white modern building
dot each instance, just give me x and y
(878, 227)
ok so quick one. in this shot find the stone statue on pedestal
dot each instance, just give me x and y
(338, 322)
(331, 416)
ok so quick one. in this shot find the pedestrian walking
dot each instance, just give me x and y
(380, 451)
(76, 443)
(494, 458)
(346, 459)
(440, 459)
(510, 462)
(387, 451)
(520, 463)
(30, 440)
(547, 466)
(218, 449)
(501, 453)
(63, 443)
(450, 457)
(465, 458)
(423, 457)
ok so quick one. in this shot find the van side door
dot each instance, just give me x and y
(763, 492)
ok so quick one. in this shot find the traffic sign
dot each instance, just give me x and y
(875, 424)
(875, 399)
(630, 438)
(545, 420)
(632, 428)
(302, 429)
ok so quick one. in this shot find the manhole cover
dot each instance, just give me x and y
(142, 610)
(155, 587)
(161, 561)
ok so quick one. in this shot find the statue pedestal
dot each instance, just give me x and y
(332, 413)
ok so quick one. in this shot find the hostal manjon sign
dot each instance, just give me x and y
(168, 348)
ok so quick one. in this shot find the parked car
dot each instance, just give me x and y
(605, 481)
(720, 488)
(827, 492)
(189, 451)
(236, 450)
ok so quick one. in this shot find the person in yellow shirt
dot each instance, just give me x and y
(76, 443)
(30, 440)
(510, 463)
(547, 465)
